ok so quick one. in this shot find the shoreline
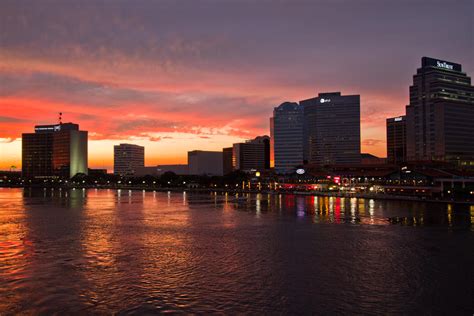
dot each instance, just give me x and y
(375, 196)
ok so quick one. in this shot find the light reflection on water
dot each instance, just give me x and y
(107, 251)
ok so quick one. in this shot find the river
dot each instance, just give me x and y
(134, 252)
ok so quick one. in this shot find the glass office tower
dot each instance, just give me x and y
(287, 137)
(332, 129)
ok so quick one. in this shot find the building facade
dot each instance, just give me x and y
(265, 140)
(54, 151)
(332, 129)
(205, 163)
(287, 137)
(227, 154)
(128, 158)
(252, 155)
(440, 116)
(396, 140)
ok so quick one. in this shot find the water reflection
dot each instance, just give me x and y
(107, 251)
(359, 211)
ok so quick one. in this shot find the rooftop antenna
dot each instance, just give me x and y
(60, 118)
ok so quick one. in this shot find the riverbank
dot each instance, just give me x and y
(378, 196)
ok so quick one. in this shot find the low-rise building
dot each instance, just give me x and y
(205, 163)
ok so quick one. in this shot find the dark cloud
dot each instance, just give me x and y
(221, 64)
(308, 42)
(5, 119)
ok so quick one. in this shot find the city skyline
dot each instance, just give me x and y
(169, 85)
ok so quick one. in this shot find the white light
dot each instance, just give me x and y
(444, 65)
(300, 171)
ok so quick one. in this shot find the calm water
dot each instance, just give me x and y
(106, 251)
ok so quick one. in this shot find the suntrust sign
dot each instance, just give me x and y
(443, 64)
(438, 63)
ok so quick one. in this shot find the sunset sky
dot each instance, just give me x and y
(183, 75)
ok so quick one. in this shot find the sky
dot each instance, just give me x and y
(175, 76)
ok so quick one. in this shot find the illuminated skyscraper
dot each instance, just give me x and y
(287, 137)
(128, 158)
(440, 115)
(54, 151)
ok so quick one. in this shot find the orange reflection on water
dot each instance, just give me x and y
(145, 224)
(15, 247)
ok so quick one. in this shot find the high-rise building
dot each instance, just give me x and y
(128, 158)
(396, 140)
(440, 115)
(205, 163)
(287, 137)
(272, 144)
(252, 155)
(54, 151)
(265, 140)
(332, 129)
(227, 160)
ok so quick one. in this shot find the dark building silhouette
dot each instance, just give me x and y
(369, 159)
(332, 129)
(396, 140)
(440, 115)
(252, 155)
(54, 151)
(227, 160)
(202, 162)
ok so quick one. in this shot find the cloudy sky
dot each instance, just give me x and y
(182, 75)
